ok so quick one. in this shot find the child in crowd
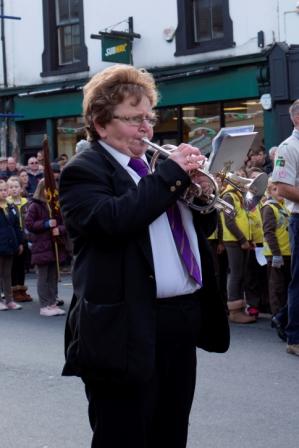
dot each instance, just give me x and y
(46, 235)
(24, 181)
(18, 267)
(256, 289)
(10, 244)
(236, 239)
(277, 251)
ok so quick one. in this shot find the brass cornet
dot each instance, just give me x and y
(196, 196)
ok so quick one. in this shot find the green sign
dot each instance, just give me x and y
(116, 50)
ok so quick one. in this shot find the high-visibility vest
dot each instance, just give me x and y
(281, 232)
(241, 217)
(256, 225)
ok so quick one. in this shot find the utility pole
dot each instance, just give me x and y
(4, 138)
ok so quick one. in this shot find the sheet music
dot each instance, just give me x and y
(230, 148)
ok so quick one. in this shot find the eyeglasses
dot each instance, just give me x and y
(33, 163)
(137, 120)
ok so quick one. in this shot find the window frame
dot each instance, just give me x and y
(185, 44)
(50, 56)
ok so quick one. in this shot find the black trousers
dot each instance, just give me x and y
(156, 413)
(18, 270)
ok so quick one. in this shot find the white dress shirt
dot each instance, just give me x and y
(172, 277)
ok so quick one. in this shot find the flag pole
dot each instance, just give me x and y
(55, 247)
(51, 197)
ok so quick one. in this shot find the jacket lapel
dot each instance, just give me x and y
(122, 181)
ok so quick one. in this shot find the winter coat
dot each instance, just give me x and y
(43, 247)
(33, 181)
(10, 233)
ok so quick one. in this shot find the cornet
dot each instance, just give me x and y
(206, 202)
(198, 195)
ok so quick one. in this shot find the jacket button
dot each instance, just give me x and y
(151, 277)
(178, 183)
(172, 188)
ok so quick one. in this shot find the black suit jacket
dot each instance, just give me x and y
(110, 329)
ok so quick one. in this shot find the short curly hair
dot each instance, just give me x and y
(109, 88)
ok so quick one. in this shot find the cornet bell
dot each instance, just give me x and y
(203, 194)
(252, 189)
(256, 191)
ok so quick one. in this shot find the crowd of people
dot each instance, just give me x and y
(234, 243)
(256, 249)
(29, 237)
(250, 246)
(152, 279)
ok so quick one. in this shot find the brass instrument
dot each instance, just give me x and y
(205, 196)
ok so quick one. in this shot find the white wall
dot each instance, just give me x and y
(24, 38)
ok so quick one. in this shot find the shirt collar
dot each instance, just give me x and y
(121, 158)
(296, 133)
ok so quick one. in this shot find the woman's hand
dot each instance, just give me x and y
(187, 157)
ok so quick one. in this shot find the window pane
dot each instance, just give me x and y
(208, 20)
(69, 131)
(200, 125)
(74, 9)
(166, 130)
(62, 10)
(202, 20)
(217, 20)
(69, 44)
(65, 44)
(34, 140)
(76, 42)
(167, 120)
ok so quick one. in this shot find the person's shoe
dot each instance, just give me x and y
(293, 349)
(240, 317)
(279, 329)
(53, 310)
(3, 307)
(22, 296)
(59, 302)
(237, 313)
(252, 311)
(13, 306)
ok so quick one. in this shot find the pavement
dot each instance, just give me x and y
(245, 398)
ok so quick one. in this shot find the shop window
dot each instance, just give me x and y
(200, 125)
(69, 131)
(65, 50)
(203, 25)
(167, 128)
(245, 112)
(32, 135)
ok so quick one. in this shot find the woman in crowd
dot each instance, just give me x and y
(47, 244)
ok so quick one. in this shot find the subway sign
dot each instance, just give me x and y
(116, 50)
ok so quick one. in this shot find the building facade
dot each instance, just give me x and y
(216, 62)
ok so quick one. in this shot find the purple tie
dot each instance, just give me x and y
(176, 225)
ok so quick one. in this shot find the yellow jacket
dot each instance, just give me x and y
(241, 218)
(256, 225)
(281, 215)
